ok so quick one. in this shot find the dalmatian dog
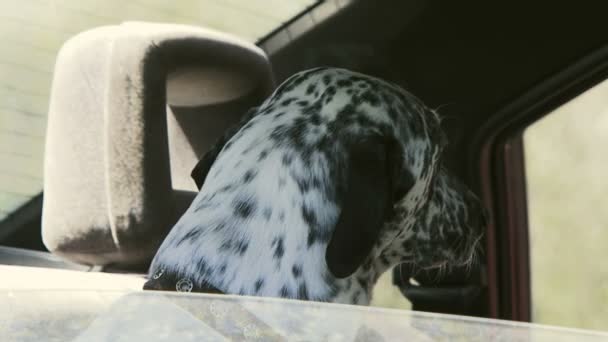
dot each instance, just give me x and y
(316, 192)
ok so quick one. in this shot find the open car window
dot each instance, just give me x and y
(32, 31)
(566, 163)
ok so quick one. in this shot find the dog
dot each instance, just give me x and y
(315, 193)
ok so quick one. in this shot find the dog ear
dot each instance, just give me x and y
(200, 171)
(375, 180)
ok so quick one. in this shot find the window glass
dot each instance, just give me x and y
(32, 31)
(566, 168)
(387, 295)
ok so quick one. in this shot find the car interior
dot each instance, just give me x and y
(125, 100)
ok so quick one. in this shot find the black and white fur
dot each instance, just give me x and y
(313, 195)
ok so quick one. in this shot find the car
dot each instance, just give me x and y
(491, 71)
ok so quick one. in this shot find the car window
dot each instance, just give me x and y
(566, 167)
(387, 295)
(32, 31)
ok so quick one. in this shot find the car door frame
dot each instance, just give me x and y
(497, 157)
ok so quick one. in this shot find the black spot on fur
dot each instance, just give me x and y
(302, 291)
(326, 79)
(344, 83)
(298, 80)
(267, 213)
(271, 108)
(249, 176)
(242, 246)
(282, 216)
(288, 101)
(362, 282)
(309, 217)
(364, 121)
(220, 226)
(370, 98)
(202, 267)
(329, 94)
(367, 265)
(392, 113)
(297, 132)
(225, 188)
(279, 250)
(222, 269)
(303, 184)
(287, 159)
(312, 238)
(344, 117)
(285, 292)
(302, 103)
(315, 119)
(191, 235)
(258, 285)
(331, 91)
(278, 133)
(355, 298)
(243, 208)
(296, 270)
(310, 89)
(334, 288)
(384, 260)
(315, 182)
(202, 204)
(262, 155)
(226, 245)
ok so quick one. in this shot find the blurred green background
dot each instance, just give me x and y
(566, 168)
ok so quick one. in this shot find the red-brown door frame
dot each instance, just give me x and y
(507, 238)
(498, 161)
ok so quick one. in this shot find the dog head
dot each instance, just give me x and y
(297, 196)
